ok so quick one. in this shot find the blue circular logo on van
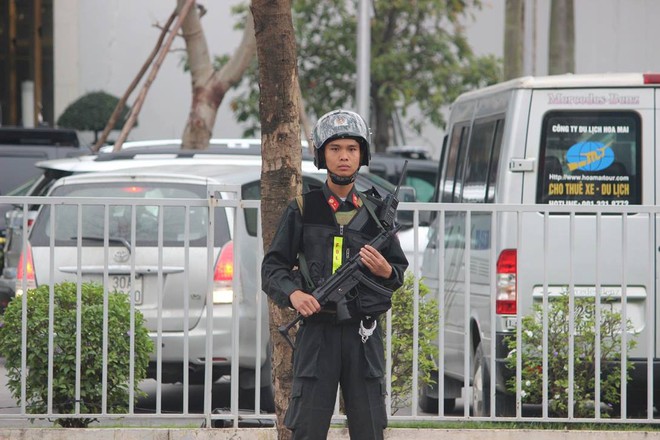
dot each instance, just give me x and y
(590, 156)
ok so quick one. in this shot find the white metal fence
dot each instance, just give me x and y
(470, 340)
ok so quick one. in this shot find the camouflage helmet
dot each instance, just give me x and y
(339, 124)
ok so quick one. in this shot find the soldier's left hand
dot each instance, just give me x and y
(375, 262)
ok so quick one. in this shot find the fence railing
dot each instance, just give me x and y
(538, 312)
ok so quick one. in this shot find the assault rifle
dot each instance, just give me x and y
(350, 274)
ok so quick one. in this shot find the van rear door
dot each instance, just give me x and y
(587, 145)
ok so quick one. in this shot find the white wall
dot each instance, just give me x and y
(114, 39)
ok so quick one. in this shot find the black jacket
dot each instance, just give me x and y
(313, 236)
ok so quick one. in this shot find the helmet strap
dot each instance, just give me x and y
(342, 181)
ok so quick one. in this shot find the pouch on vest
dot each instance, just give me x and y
(370, 298)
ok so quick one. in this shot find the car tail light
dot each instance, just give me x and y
(224, 275)
(25, 270)
(507, 283)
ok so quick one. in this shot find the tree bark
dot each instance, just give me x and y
(561, 53)
(209, 86)
(514, 38)
(281, 158)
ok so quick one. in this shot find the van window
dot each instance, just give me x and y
(590, 158)
(459, 138)
(494, 161)
(482, 151)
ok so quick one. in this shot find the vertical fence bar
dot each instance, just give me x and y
(51, 312)
(440, 236)
(259, 305)
(519, 345)
(106, 283)
(388, 364)
(650, 309)
(492, 259)
(571, 316)
(544, 386)
(624, 316)
(79, 207)
(159, 317)
(415, 359)
(235, 318)
(24, 323)
(210, 260)
(466, 314)
(186, 310)
(597, 320)
(131, 338)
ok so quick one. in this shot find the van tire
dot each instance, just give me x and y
(480, 389)
(430, 404)
(427, 403)
(505, 405)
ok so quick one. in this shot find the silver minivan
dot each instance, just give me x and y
(557, 141)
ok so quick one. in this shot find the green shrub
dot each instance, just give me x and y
(64, 356)
(402, 340)
(91, 112)
(558, 356)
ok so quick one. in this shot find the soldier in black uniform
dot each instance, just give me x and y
(339, 343)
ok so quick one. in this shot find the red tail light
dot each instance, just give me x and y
(507, 283)
(25, 270)
(651, 78)
(224, 267)
(224, 275)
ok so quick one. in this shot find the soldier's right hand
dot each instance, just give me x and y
(304, 303)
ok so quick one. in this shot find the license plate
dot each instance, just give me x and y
(122, 284)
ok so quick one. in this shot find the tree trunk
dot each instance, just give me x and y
(281, 158)
(514, 38)
(380, 134)
(208, 85)
(561, 53)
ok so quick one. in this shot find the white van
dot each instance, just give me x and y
(556, 140)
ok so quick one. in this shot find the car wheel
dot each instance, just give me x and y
(480, 391)
(267, 394)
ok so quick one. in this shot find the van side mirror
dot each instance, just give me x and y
(405, 218)
(425, 218)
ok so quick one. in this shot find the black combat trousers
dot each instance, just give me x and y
(329, 354)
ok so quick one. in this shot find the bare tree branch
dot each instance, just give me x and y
(130, 122)
(122, 101)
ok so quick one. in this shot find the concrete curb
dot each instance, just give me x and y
(335, 434)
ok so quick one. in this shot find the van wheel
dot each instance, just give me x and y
(429, 404)
(480, 392)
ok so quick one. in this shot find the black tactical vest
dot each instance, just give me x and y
(320, 230)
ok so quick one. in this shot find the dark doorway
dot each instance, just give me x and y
(26, 61)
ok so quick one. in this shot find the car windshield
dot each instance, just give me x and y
(119, 217)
